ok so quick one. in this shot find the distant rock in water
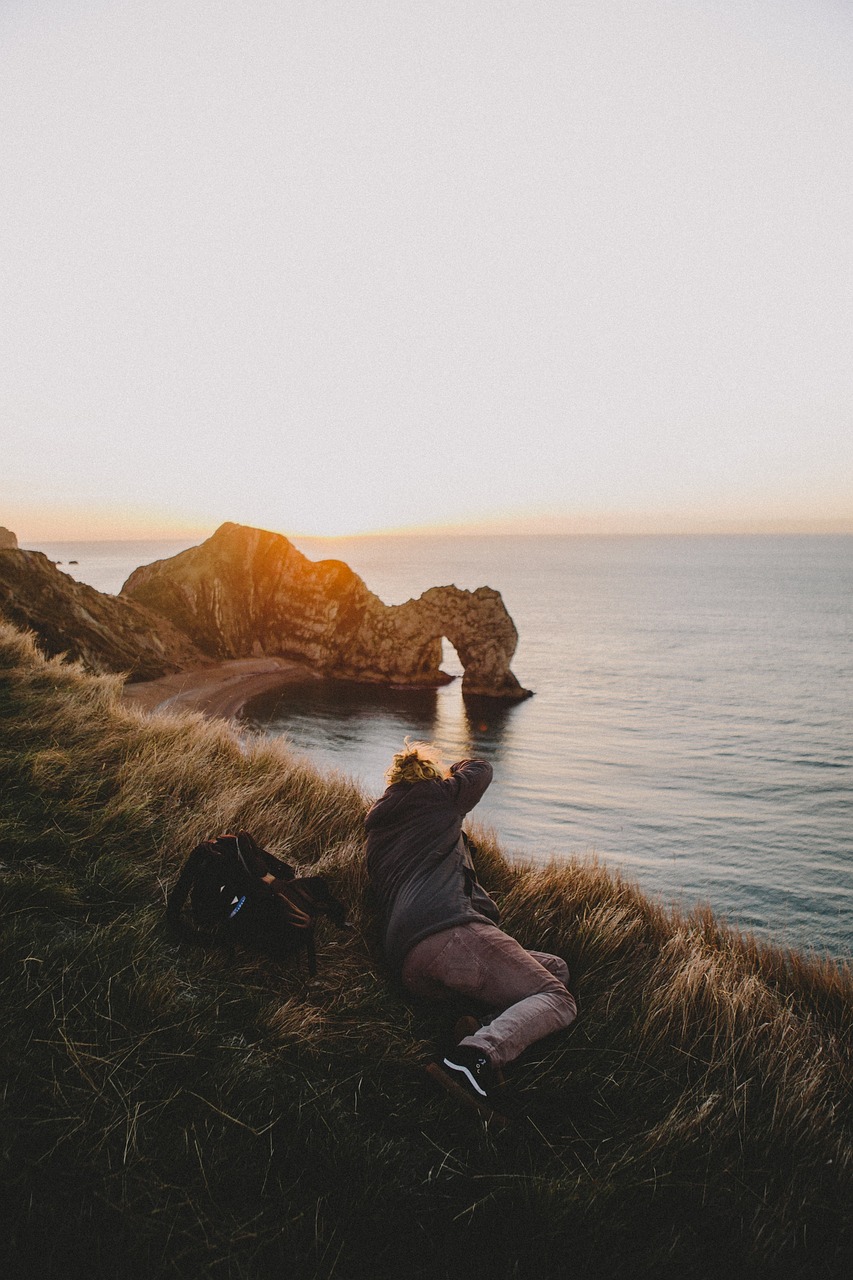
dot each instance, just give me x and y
(249, 593)
(106, 633)
(7, 539)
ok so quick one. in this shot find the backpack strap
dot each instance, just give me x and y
(258, 861)
(299, 907)
(185, 881)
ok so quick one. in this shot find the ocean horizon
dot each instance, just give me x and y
(691, 718)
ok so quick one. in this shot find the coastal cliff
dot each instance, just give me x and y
(106, 633)
(250, 593)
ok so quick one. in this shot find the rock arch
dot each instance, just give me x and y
(481, 631)
(247, 592)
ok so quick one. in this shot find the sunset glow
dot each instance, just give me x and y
(344, 268)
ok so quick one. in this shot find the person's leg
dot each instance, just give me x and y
(534, 1000)
(429, 963)
(423, 970)
(554, 964)
(483, 962)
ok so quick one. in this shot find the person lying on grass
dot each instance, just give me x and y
(440, 927)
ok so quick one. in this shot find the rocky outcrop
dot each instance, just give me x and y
(249, 593)
(246, 593)
(106, 633)
(7, 539)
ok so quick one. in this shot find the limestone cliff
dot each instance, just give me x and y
(7, 539)
(106, 633)
(247, 592)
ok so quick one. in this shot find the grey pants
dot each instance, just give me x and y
(529, 989)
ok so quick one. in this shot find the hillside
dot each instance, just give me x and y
(106, 633)
(169, 1112)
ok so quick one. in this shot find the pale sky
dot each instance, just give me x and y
(329, 266)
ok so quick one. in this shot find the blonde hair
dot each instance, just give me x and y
(417, 762)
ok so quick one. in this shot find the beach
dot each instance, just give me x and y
(219, 690)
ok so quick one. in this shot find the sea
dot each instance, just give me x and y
(692, 717)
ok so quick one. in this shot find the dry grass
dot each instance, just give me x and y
(171, 1112)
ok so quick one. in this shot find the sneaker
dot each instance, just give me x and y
(464, 1026)
(471, 1068)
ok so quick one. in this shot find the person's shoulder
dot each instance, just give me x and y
(387, 804)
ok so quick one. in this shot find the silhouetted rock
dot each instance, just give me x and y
(106, 633)
(7, 539)
(249, 593)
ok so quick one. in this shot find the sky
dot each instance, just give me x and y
(337, 266)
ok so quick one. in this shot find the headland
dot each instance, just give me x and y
(249, 596)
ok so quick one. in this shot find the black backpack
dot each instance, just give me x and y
(230, 902)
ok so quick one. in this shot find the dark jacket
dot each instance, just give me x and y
(417, 862)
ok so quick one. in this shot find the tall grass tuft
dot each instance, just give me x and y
(169, 1111)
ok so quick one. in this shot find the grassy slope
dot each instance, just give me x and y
(169, 1112)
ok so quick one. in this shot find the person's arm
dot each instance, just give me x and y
(471, 777)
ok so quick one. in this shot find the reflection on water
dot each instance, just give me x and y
(356, 728)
